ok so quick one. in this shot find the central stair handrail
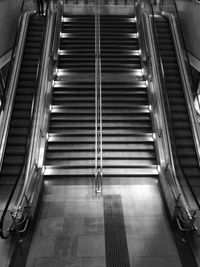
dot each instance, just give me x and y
(98, 103)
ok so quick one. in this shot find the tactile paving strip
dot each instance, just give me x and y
(115, 232)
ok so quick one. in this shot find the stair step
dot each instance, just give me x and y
(56, 154)
(130, 171)
(62, 171)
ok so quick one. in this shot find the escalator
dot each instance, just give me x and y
(70, 149)
(20, 119)
(128, 145)
(181, 124)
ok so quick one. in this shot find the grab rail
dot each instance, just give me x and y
(21, 172)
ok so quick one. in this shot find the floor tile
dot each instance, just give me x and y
(94, 225)
(146, 225)
(91, 246)
(57, 262)
(93, 262)
(52, 226)
(66, 246)
(150, 245)
(42, 246)
(73, 225)
(155, 262)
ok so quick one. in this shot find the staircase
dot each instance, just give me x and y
(71, 143)
(183, 135)
(20, 119)
(128, 145)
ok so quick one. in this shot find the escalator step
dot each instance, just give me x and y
(8, 171)
(19, 122)
(185, 142)
(176, 101)
(183, 134)
(26, 84)
(24, 98)
(22, 106)
(21, 115)
(189, 162)
(18, 132)
(27, 77)
(15, 150)
(186, 151)
(28, 69)
(13, 160)
(31, 50)
(182, 125)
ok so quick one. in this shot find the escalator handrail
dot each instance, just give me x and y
(169, 111)
(28, 137)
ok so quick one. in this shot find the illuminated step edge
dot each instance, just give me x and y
(64, 52)
(66, 19)
(134, 19)
(62, 108)
(73, 170)
(64, 72)
(64, 84)
(66, 35)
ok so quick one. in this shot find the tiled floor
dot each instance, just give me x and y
(70, 228)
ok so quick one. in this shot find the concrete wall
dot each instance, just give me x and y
(190, 19)
(9, 14)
